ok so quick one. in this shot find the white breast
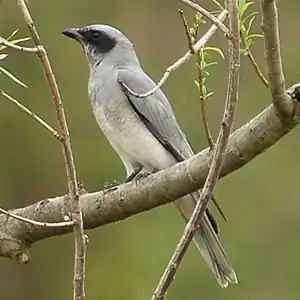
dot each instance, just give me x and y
(126, 133)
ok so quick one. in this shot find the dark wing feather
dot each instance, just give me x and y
(155, 112)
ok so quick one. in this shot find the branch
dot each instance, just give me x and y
(36, 223)
(32, 114)
(201, 43)
(253, 62)
(4, 42)
(216, 21)
(75, 209)
(273, 57)
(187, 31)
(217, 158)
(100, 208)
(202, 96)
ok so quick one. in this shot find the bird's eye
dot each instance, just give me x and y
(95, 35)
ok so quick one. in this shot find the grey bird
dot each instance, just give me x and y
(143, 131)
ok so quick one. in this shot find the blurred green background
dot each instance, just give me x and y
(125, 259)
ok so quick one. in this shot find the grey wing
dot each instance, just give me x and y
(156, 112)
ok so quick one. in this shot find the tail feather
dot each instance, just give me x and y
(208, 243)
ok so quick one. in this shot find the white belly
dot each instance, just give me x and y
(129, 136)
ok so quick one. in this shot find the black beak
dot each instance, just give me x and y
(73, 33)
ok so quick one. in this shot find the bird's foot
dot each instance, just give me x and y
(141, 175)
(110, 186)
(144, 174)
(81, 188)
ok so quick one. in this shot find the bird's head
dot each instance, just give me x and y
(103, 43)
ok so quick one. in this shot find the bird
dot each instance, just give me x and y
(143, 131)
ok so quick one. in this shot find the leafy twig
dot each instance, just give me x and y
(201, 43)
(191, 38)
(32, 114)
(191, 34)
(246, 23)
(4, 42)
(80, 239)
(255, 64)
(215, 20)
(202, 101)
(218, 155)
(201, 64)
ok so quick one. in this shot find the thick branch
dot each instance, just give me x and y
(163, 187)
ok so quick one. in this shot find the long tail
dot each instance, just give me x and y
(208, 243)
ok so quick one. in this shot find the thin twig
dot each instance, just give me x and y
(4, 42)
(79, 236)
(200, 78)
(201, 43)
(215, 20)
(190, 39)
(218, 4)
(32, 114)
(36, 223)
(270, 28)
(187, 31)
(218, 155)
(202, 102)
(254, 63)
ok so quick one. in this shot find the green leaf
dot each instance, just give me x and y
(10, 37)
(208, 65)
(249, 16)
(243, 6)
(253, 36)
(199, 18)
(202, 64)
(214, 49)
(243, 29)
(209, 94)
(13, 77)
(13, 34)
(2, 48)
(20, 40)
(250, 24)
(245, 52)
(3, 56)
